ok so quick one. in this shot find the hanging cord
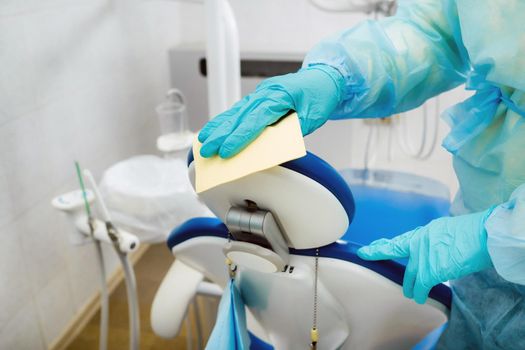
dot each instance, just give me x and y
(390, 144)
(372, 142)
(404, 139)
(314, 332)
(407, 145)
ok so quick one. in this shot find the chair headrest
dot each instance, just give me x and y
(311, 202)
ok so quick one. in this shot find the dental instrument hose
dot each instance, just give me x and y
(104, 299)
(104, 295)
(131, 290)
(404, 140)
(129, 275)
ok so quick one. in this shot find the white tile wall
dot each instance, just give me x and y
(43, 247)
(15, 290)
(23, 332)
(55, 306)
(6, 211)
(17, 90)
(28, 176)
(79, 81)
(81, 261)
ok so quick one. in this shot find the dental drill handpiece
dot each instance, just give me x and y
(91, 221)
(110, 228)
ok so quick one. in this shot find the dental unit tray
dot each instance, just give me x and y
(280, 216)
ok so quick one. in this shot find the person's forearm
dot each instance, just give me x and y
(395, 64)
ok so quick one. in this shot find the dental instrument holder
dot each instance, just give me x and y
(72, 203)
(259, 243)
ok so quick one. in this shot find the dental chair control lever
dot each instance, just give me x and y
(259, 242)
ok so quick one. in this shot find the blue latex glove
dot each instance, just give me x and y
(445, 249)
(312, 92)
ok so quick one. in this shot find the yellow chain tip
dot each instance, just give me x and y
(314, 335)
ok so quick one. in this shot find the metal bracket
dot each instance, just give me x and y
(258, 227)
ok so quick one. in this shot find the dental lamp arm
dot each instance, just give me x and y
(223, 56)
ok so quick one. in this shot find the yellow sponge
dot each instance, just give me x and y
(278, 143)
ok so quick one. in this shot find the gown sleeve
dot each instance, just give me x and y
(506, 237)
(396, 63)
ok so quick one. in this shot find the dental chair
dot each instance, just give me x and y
(272, 225)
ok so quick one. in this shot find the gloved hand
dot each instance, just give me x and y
(312, 92)
(445, 249)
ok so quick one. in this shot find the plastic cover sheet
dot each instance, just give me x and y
(149, 196)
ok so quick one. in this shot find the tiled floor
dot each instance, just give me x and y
(150, 270)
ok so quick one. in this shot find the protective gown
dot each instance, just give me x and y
(428, 47)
